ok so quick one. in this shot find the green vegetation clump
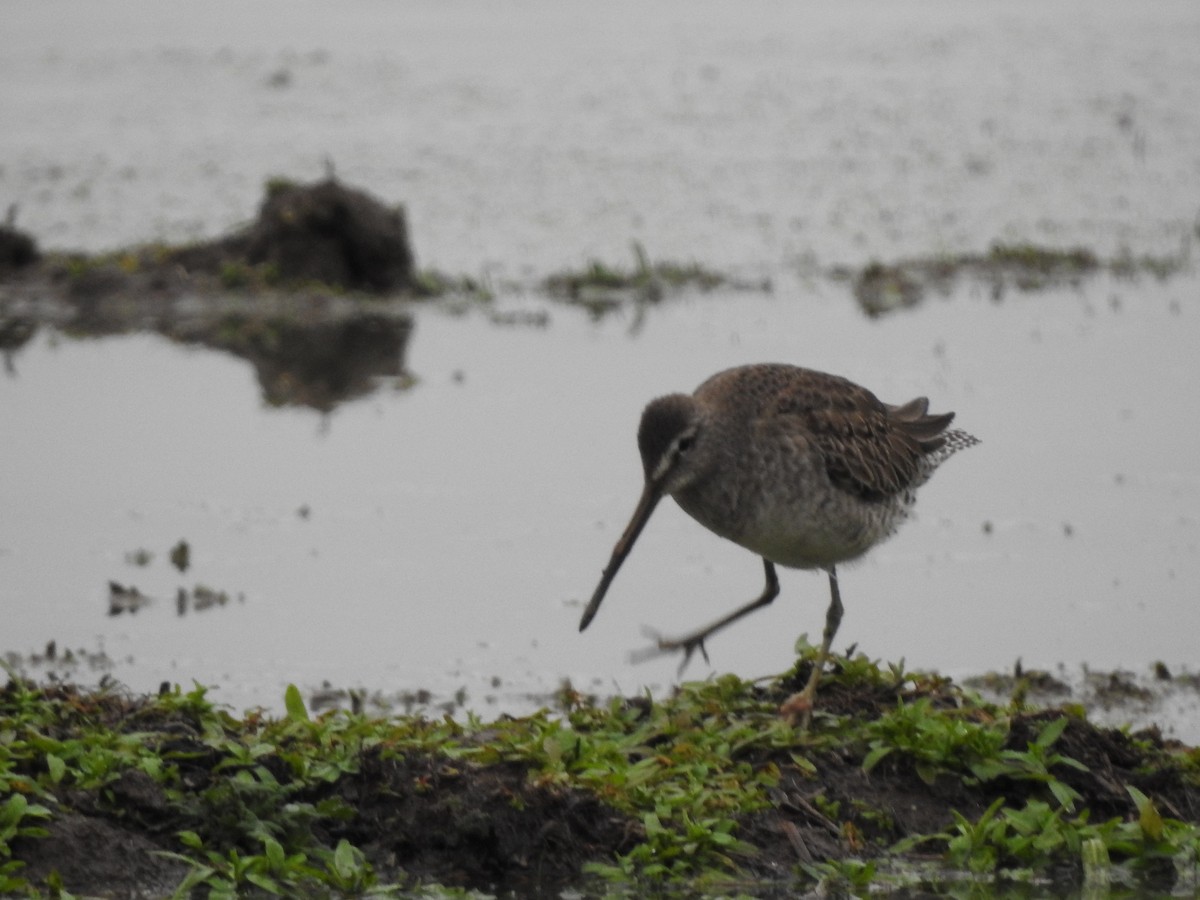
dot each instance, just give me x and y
(279, 184)
(601, 288)
(430, 283)
(903, 780)
(882, 287)
(1048, 260)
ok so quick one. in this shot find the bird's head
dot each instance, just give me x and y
(674, 454)
(671, 442)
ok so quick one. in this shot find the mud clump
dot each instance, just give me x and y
(491, 827)
(17, 249)
(333, 234)
(321, 233)
(96, 853)
(324, 238)
(313, 293)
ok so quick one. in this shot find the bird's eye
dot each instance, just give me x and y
(685, 443)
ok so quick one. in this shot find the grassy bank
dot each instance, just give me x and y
(904, 779)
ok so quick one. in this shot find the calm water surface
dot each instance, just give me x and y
(454, 527)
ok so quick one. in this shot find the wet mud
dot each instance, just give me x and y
(424, 817)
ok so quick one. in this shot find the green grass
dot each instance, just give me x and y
(602, 287)
(701, 779)
(883, 287)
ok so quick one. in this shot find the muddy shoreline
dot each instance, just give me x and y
(515, 806)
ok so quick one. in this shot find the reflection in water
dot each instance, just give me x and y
(314, 364)
(15, 333)
(272, 293)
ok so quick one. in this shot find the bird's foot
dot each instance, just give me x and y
(662, 646)
(797, 709)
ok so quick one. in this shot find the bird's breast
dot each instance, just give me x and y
(801, 529)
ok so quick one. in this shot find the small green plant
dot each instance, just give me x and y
(346, 869)
(1038, 835)
(432, 283)
(1046, 260)
(883, 287)
(935, 741)
(18, 819)
(279, 184)
(235, 275)
(676, 765)
(230, 873)
(843, 877)
(1034, 764)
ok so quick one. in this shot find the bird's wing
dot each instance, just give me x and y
(870, 449)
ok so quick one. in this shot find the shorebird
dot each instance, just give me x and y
(805, 469)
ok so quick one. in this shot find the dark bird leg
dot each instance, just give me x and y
(689, 644)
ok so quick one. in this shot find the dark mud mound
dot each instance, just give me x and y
(323, 238)
(334, 234)
(97, 856)
(495, 828)
(324, 232)
(17, 249)
(294, 293)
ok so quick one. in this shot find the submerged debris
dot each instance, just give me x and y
(1109, 696)
(181, 555)
(56, 664)
(125, 599)
(140, 557)
(202, 598)
(18, 250)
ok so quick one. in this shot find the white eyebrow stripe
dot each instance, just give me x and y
(664, 464)
(671, 457)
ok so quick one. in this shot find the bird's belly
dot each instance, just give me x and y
(814, 536)
(805, 550)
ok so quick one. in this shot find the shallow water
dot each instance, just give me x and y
(454, 527)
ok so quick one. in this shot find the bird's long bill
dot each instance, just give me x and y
(641, 515)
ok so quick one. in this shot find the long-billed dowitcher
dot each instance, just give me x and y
(806, 469)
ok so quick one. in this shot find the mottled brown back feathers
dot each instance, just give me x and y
(870, 449)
